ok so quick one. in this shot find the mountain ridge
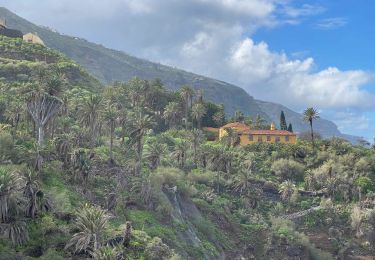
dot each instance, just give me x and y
(109, 65)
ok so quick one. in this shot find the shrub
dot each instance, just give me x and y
(288, 169)
(365, 184)
(157, 250)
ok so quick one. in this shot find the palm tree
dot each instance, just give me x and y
(309, 115)
(179, 152)
(172, 113)
(10, 187)
(154, 153)
(92, 223)
(36, 200)
(139, 125)
(287, 189)
(111, 116)
(242, 182)
(186, 93)
(90, 111)
(196, 137)
(232, 138)
(239, 116)
(259, 121)
(198, 111)
(219, 118)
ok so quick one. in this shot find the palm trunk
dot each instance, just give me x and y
(312, 134)
(186, 114)
(111, 144)
(139, 155)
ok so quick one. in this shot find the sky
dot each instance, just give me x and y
(298, 53)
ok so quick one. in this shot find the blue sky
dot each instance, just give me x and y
(297, 53)
(346, 43)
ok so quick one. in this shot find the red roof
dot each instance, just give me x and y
(268, 132)
(236, 125)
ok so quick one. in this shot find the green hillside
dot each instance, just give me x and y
(112, 173)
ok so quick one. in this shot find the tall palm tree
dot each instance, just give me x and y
(309, 115)
(198, 111)
(196, 137)
(139, 125)
(186, 93)
(179, 152)
(111, 116)
(172, 114)
(90, 111)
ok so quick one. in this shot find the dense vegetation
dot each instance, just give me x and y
(109, 65)
(126, 172)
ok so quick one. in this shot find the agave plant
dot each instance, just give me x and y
(91, 222)
(105, 253)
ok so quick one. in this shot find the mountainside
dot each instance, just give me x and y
(110, 65)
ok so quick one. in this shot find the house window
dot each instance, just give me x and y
(260, 139)
(287, 138)
(268, 138)
(277, 139)
(251, 138)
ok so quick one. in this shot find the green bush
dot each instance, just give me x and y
(288, 169)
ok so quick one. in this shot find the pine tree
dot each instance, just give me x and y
(290, 128)
(283, 125)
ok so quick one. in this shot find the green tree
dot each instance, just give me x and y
(259, 121)
(110, 117)
(139, 125)
(309, 115)
(196, 137)
(90, 111)
(239, 116)
(290, 128)
(186, 93)
(287, 189)
(283, 125)
(154, 153)
(91, 223)
(198, 111)
(179, 152)
(172, 114)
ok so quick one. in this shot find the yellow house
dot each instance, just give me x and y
(250, 136)
(32, 38)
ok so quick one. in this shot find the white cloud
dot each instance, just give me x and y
(273, 76)
(304, 10)
(332, 23)
(349, 120)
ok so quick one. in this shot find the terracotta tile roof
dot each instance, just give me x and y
(268, 132)
(236, 125)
